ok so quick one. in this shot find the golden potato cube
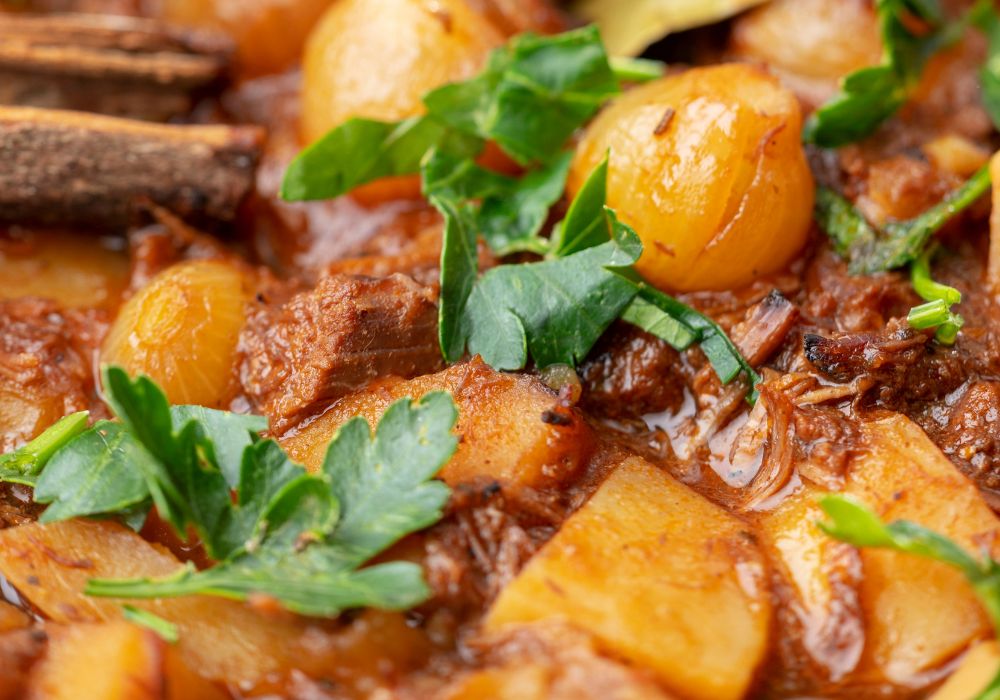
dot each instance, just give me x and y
(977, 669)
(511, 428)
(818, 588)
(113, 661)
(920, 613)
(49, 564)
(660, 577)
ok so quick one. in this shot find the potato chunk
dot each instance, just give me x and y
(113, 661)
(50, 564)
(977, 669)
(511, 427)
(72, 269)
(818, 578)
(708, 167)
(920, 613)
(660, 576)
(181, 329)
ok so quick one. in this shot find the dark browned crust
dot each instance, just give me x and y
(64, 167)
(121, 66)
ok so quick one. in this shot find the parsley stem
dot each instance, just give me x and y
(636, 70)
(925, 287)
(915, 233)
(933, 313)
(939, 297)
(166, 630)
(28, 461)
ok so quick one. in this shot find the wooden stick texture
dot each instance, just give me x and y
(62, 167)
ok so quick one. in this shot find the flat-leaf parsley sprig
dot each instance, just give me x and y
(273, 528)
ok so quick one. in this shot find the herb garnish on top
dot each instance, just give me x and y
(532, 96)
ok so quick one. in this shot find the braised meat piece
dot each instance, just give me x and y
(892, 351)
(631, 372)
(328, 341)
(46, 356)
(971, 436)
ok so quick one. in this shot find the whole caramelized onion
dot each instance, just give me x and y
(181, 330)
(707, 166)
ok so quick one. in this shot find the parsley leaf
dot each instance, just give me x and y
(556, 309)
(855, 524)
(511, 211)
(532, 95)
(183, 473)
(585, 223)
(99, 475)
(23, 465)
(681, 326)
(310, 534)
(104, 472)
(871, 95)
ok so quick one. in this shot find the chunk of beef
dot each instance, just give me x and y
(631, 372)
(885, 354)
(46, 360)
(898, 365)
(332, 339)
(971, 435)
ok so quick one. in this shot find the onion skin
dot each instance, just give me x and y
(182, 329)
(708, 167)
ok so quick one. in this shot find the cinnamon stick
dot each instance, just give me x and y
(62, 167)
(125, 66)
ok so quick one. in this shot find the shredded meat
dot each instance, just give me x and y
(328, 341)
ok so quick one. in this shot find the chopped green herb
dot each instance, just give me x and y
(898, 243)
(508, 212)
(681, 326)
(166, 630)
(585, 224)
(23, 465)
(297, 537)
(532, 95)
(985, 17)
(556, 309)
(637, 70)
(936, 313)
(855, 524)
(104, 472)
(871, 95)
(99, 475)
